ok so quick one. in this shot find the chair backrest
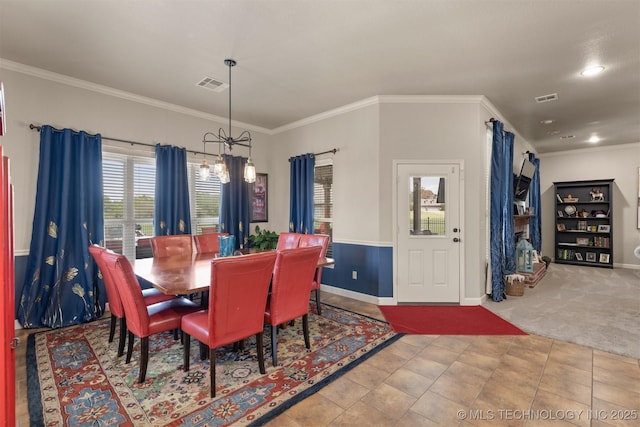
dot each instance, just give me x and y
(115, 304)
(321, 240)
(178, 244)
(208, 243)
(130, 292)
(238, 296)
(288, 240)
(291, 283)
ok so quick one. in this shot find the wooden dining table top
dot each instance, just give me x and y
(184, 275)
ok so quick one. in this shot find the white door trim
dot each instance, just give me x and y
(394, 219)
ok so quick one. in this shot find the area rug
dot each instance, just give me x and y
(76, 379)
(446, 320)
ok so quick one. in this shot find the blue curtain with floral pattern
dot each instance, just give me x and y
(502, 239)
(172, 214)
(62, 286)
(234, 202)
(302, 170)
(535, 223)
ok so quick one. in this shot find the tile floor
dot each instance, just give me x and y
(461, 380)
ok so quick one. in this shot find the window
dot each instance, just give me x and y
(129, 192)
(323, 201)
(205, 201)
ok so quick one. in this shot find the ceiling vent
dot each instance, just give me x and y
(546, 98)
(212, 84)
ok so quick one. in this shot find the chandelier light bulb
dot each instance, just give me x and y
(219, 166)
(250, 172)
(224, 178)
(204, 170)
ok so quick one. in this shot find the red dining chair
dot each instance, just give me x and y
(237, 297)
(208, 243)
(321, 240)
(142, 320)
(177, 244)
(290, 288)
(288, 240)
(151, 296)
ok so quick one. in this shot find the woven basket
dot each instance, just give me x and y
(515, 288)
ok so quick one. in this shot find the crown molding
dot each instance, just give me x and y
(327, 114)
(381, 99)
(106, 90)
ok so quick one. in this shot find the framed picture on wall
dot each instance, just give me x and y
(259, 192)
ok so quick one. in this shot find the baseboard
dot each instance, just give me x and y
(385, 300)
(354, 295)
(474, 301)
(629, 266)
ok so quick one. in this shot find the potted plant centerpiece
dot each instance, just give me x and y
(263, 239)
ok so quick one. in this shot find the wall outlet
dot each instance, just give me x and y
(354, 275)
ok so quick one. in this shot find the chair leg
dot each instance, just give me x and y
(305, 330)
(123, 336)
(186, 351)
(144, 358)
(274, 344)
(318, 301)
(203, 351)
(112, 329)
(260, 350)
(129, 347)
(212, 369)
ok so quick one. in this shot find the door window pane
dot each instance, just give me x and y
(427, 214)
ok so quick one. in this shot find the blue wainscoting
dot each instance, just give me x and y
(20, 263)
(373, 264)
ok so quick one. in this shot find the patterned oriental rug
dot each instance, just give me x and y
(76, 379)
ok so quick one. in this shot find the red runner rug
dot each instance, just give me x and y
(446, 320)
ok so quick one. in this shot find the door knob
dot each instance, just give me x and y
(455, 239)
(455, 230)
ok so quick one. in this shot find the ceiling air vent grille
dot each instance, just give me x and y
(212, 84)
(546, 98)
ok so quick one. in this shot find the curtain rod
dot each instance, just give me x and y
(490, 122)
(126, 141)
(333, 150)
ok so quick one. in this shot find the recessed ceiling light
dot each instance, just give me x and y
(567, 136)
(546, 122)
(554, 132)
(592, 71)
(594, 139)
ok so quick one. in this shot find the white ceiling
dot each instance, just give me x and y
(301, 58)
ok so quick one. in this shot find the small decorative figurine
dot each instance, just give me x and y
(596, 195)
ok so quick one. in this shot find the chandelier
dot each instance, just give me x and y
(226, 141)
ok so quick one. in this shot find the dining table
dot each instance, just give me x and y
(186, 275)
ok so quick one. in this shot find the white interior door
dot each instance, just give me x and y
(429, 240)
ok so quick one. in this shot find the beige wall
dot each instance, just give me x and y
(617, 162)
(31, 99)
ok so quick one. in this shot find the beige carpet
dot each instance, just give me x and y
(595, 307)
